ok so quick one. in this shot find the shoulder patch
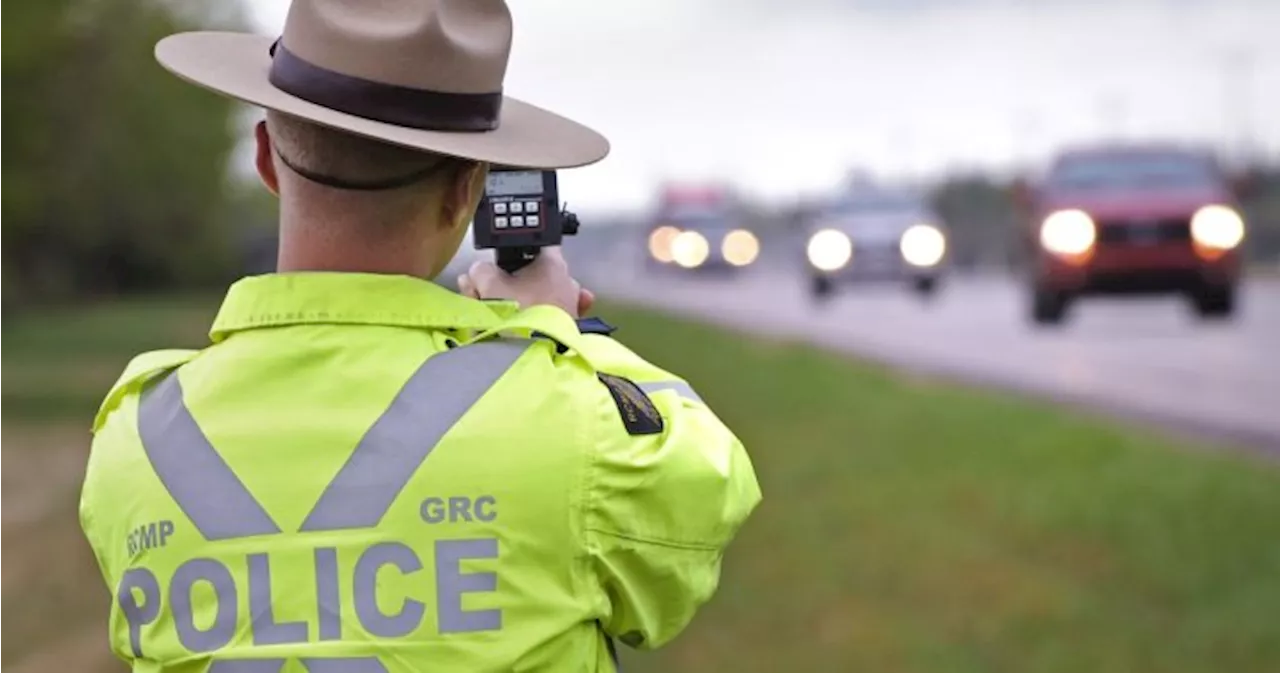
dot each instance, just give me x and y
(639, 415)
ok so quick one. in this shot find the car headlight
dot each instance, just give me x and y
(1068, 232)
(922, 245)
(829, 250)
(660, 243)
(1217, 227)
(740, 247)
(689, 249)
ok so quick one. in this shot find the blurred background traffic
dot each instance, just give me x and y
(976, 119)
(1049, 233)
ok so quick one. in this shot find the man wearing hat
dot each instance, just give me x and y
(363, 471)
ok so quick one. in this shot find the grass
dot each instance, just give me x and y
(58, 364)
(908, 525)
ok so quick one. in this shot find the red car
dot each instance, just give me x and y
(1133, 220)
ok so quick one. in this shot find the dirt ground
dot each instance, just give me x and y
(53, 597)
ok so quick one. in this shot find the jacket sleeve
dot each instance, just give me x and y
(108, 472)
(662, 506)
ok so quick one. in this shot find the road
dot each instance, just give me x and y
(1148, 359)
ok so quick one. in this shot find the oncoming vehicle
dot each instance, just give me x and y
(1133, 220)
(700, 229)
(876, 236)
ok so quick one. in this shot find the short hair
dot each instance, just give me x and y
(351, 158)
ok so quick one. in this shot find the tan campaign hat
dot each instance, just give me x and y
(425, 74)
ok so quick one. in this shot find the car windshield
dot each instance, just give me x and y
(700, 219)
(878, 206)
(1131, 171)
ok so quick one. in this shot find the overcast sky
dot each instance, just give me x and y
(784, 97)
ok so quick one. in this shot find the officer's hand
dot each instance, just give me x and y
(545, 281)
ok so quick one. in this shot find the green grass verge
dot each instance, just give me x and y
(911, 525)
(908, 525)
(58, 364)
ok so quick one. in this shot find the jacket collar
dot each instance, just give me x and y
(279, 299)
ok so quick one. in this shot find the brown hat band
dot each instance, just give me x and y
(390, 103)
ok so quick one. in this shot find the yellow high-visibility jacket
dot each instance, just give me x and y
(370, 473)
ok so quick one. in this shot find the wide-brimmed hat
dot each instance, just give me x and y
(425, 74)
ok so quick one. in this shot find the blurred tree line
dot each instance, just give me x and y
(116, 172)
(980, 216)
(1262, 208)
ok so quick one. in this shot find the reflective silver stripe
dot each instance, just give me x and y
(266, 630)
(451, 583)
(219, 634)
(328, 665)
(345, 665)
(328, 604)
(443, 389)
(247, 666)
(197, 478)
(136, 614)
(680, 387)
(365, 590)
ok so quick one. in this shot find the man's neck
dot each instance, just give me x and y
(347, 260)
(349, 247)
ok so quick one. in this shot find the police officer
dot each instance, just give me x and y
(365, 472)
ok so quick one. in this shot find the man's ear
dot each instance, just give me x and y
(264, 158)
(464, 193)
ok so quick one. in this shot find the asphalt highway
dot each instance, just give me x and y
(1148, 359)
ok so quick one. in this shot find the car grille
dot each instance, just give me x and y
(876, 254)
(1126, 233)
